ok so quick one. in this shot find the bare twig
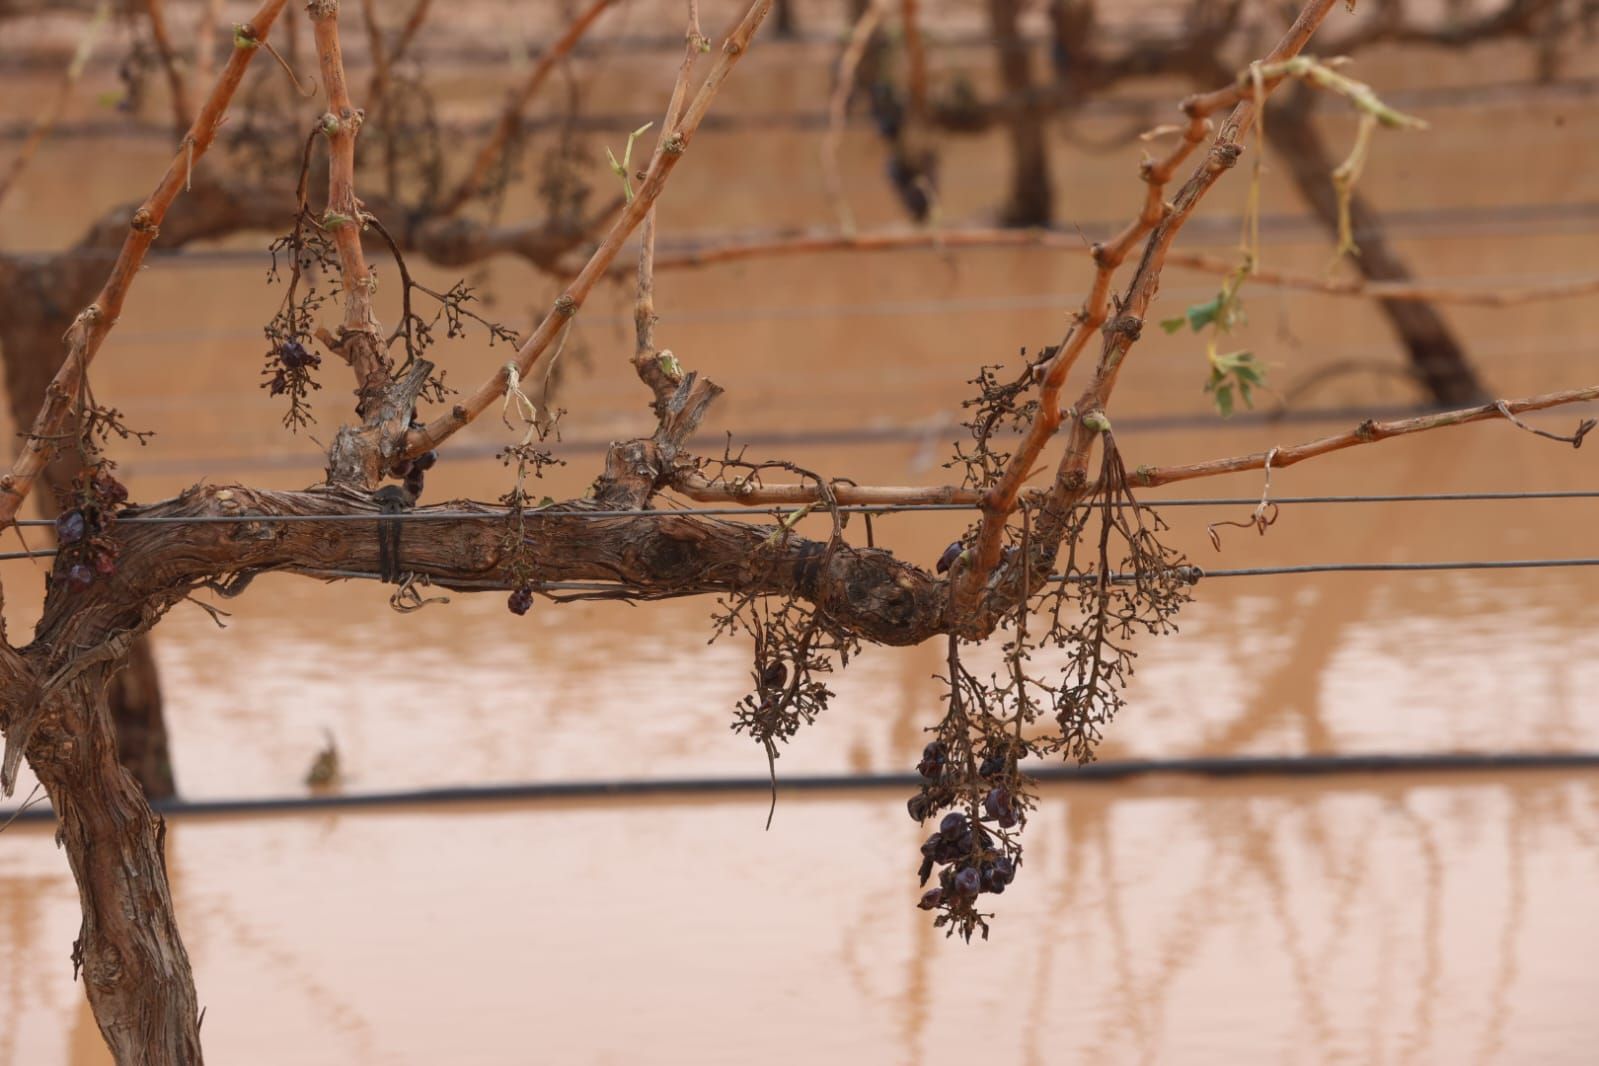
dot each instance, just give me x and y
(90, 328)
(662, 379)
(823, 241)
(1161, 223)
(568, 303)
(1368, 432)
(359, 341)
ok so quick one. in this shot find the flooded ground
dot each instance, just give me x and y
(1370, 919)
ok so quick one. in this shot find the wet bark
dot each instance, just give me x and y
(41, 300)
(1436, 356)
(1031, 198)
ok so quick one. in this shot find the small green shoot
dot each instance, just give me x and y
(624, 169)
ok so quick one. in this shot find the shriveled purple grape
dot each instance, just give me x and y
(295, 355)
(426, 460)
(953, 824)
(70, 527)
(775, 675)
(520, 601)
(80, 576)
(968, 882)
(931, 899)
(992, 765)
(921, 806)
(999, 805)
(951, 553)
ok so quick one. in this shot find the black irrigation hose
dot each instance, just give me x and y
(1221, 767)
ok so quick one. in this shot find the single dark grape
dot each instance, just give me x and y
(968, 882)
(775, 675)
(402, 468)
(413, 483)
(426, 460)
(1001, 807)
(931, 899)
(997, 803)
(932, 764)
(294, 355)
(80, 576)
(993, 765)
(520, 601)
(69, 527)
(953, 824)
(951, 553)
(1005, 869)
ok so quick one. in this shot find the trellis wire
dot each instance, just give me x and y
(775, 509)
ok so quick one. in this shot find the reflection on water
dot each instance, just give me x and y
(1394, 920)
(1349, 921)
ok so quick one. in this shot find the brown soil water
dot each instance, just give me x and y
(1401, 918)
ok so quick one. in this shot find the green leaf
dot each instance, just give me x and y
(1224, 400)
(1172, 325)
(1202, 315)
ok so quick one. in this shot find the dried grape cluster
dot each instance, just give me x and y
(794, 647)
(971, 769)
(1000, 406)
(529, 459)
(1121, 582)
(1117, 581)
(290, 359)
(88, 552)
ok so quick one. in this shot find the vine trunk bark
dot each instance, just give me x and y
(135, 969)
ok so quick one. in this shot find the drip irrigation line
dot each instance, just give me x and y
(776, 510)
(1108, 772)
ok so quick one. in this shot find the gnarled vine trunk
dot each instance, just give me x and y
(135, 969)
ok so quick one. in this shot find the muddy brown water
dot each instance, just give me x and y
(1394, 919)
